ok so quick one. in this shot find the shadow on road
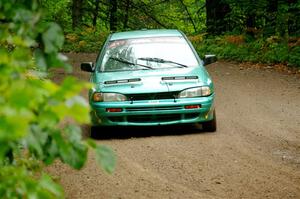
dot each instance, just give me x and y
(144, 131)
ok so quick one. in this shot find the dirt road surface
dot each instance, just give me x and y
(254, 154)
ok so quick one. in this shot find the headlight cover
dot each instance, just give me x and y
(202, 91)
(108, 97)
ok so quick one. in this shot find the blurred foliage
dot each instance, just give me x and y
(34, 113)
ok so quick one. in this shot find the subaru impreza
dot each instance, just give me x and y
(148, 78)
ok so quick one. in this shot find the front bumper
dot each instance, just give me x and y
(153, 112)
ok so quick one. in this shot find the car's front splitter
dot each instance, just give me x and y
(153, 112)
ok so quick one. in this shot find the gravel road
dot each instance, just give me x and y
(255, 152)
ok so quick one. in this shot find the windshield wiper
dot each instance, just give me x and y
(159, 60)
(129, 62)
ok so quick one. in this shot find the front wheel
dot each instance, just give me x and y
(93, 131)
(210, 126)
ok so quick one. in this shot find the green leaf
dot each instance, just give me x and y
(78, 109)
(73, 133)
(47, 183)
(55, 60)
(34, 145)
(91, 143)
(30, 128)
(105, 158)
(40, 60)
(53, 38)
(9, 129)
(74, 154)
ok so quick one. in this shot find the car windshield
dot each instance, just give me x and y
(148, 54)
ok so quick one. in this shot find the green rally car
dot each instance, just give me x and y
(151, 77)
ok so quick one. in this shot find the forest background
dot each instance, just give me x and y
(266, 31)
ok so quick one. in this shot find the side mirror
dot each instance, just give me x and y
(209, 59)
(87, 66)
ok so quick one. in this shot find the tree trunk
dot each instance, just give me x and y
(96, 11)
(127, 7)
(282, 20)
(270, 27)
(76, 13)
(251, 18)
(250, 23)
(210, 16)
(113, 15)
(293, 22)
(216, 12)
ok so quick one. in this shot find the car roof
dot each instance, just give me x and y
(145, 33)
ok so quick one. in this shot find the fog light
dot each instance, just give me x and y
(192, 106)
(114, 110)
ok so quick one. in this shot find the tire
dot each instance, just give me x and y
(93, 131)
(210, 126)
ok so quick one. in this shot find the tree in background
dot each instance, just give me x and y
(270, 24)
(271, 15)
(113, 15)
(216, 12)
(294, 17)
(77, 12)
(126, 13)
(59, 11)
(116, 15)
(96, 12)
(265, 17)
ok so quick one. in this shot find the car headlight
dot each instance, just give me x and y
(108, 97)
(195, 92)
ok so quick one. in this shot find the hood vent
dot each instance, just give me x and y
(122, 81)
(180, 78)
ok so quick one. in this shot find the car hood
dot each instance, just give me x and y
(151, 81)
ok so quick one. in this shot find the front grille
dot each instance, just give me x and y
(152, 96)
(153, 118)
(116, 119)
(164, 108)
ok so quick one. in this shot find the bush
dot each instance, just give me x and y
(294, 56)
(86, 40)
(239, 48)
